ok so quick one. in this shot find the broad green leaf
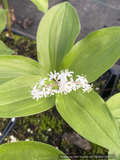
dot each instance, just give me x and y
(56, 35)
(42, 5)
(95, 54)
(30, 151)
(16, 66)
(2, 19)
(4, 50)
(114, 105)
(16, 99)
(89, 115)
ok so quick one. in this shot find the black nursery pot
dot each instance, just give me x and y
(111, 86)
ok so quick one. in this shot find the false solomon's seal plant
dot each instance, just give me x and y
(59, 78)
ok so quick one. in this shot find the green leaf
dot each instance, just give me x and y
(118, 122)
(56, 35)
(16, 99)
(4, 50)
(2, 19)
(30, 151)
(41, 4)
(114, 105)
(89, 115)
(16, 66)
(95, 54)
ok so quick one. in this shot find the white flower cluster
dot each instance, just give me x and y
(63, 80)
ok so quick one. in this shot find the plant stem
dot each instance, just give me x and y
(7, 16)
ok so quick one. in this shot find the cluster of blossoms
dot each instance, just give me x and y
(64, 82)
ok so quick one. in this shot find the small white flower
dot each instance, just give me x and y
(42, 82)
(54, 91)
(44, 93)
(82, 80)
(36, 94)
(53, 75)
(65, 87)
(63, 76)
(87, 88)
(27, 140)
(73, 85)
